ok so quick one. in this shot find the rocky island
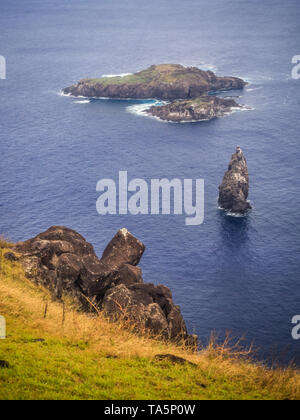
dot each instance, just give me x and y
(198, 109)
(64, 262)
(187, 88)
(233, 192)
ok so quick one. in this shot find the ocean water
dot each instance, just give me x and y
(229, 274)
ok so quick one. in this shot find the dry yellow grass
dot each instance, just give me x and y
(88, 345)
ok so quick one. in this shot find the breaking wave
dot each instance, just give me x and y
(86, 101)
(117, 75)
(139, 109)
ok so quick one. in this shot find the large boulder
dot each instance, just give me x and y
(63, 261)
(123, 249)
(233, 192)
(149, 305)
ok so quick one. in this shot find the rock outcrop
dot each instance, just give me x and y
(164, 81)
(65, 263)
(199, 109)
(233, 192)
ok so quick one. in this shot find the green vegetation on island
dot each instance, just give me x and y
(169, 82)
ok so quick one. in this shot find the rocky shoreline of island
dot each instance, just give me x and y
(187, 90)
(204, 108)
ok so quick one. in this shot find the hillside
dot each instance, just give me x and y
(163, 81)
(56, 352)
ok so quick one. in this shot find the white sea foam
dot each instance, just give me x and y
(241, 109)
(117, 75)
(237, 215)
(86, 101)
(253, 89)
(61, 93)
(139, 109)
(231, 214)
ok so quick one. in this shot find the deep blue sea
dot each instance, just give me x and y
(229, 274)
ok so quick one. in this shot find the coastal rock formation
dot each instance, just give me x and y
(65, 263)
(233, 192)
(164, 81)
(199, 109)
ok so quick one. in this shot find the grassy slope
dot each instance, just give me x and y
(164, 73)
(89, 358)
(195, 102)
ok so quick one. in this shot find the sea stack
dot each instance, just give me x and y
(233, 192)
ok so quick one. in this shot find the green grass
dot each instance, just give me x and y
(60, 369)
(199, 101)
(163, 73)
(86, 357)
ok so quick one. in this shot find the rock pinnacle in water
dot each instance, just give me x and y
(233, 192)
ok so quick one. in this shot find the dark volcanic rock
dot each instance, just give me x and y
(4, 364)
(233, 192)
(10, 256)
(123, 249)
(199, 109)
(150, 306)
(173, 359)
(63, 261)
(164, 81)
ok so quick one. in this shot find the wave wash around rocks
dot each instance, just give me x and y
(63, 261)
(186, 87)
